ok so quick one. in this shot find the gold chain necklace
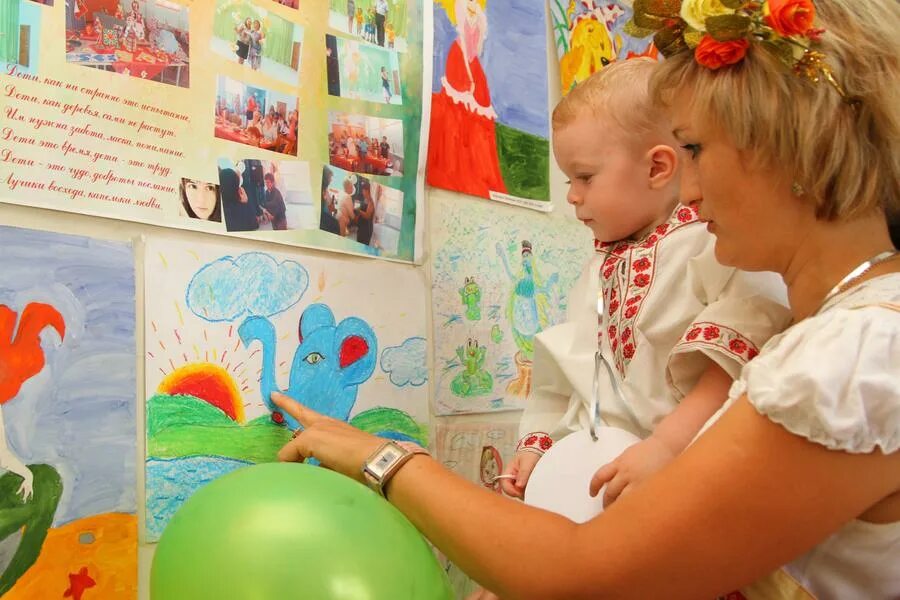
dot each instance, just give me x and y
(860, 270)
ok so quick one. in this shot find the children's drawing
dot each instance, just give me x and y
(516, 269)
(489, 123)
(225, 331)
(406, 364)
(589, 35)
(477, 452)
(471, 298)
(67, 424)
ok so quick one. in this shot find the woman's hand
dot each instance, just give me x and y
(632, 467)
(337, 445)
(521, 466)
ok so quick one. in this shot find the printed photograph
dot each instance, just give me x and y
(260, 40)
(365, 144)
(361, 71)
(200, 200)
(20, 34)
(266, 195)
(256, 117)
(355, 207)
(379, 22)
(147, 39)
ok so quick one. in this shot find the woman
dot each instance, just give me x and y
(327, 220)
(200, 200)
(462, 115)
(801, 468)
(240, 213)
(243, 45)
(365, 213)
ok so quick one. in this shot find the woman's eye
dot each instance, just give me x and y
(210, 188)
(313, 358)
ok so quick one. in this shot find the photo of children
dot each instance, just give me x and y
(20, 26)
(381, 22)
(364, 72)
(365, 144)
(250, 35)
(256, 117)
(147, 39)
(200, 200)
(355, 207)
(263, 195)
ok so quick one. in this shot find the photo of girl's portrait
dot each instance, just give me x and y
(200, 200)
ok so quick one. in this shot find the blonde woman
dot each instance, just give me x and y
(793, 489)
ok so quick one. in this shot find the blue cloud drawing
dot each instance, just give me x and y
(250, 284)
(406, 364)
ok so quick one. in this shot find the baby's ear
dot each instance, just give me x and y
(663, 162)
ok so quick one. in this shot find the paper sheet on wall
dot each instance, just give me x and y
(499, 277)
(177, 113)
(223, 330)
(489, 120)
(589, 34)
(67, 426)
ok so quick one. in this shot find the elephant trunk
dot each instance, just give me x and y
(260, 328)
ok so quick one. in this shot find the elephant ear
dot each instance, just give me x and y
(314, 317)
(357, 349)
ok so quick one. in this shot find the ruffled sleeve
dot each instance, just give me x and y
(833, 379)
(742, 311)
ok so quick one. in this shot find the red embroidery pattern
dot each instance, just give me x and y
(627, 276)
(721, 337)
(536, 441)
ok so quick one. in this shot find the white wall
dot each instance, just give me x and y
(125, 231)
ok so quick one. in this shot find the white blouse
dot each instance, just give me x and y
(834, 379)
(669, 306)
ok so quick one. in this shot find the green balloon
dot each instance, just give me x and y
(282, 531)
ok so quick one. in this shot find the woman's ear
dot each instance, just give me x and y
(663, 166)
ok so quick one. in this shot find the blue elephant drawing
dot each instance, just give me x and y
(330, 363)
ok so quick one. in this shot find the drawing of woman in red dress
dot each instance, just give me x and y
(462, 152)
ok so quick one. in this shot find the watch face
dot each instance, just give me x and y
(384, 460)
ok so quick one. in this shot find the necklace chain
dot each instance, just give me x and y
(858, 271)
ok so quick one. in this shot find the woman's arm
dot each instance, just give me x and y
(743, 500)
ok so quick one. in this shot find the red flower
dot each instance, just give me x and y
(611, 332)
(630, 312)
(711, 332)
(715, 55)
(642, 264)
(790, 17)
(607, 273)
(650, 241)
(609, 262)
(662, 229)
(737, 346)
(642, 280)
(684, 215)
(751, 354)
(628, 350)
(615, 344)
(693, 333)
(626, 334)
(531, 440)
(546, 442)
(613, 306)
(612, 294)
(633, 299)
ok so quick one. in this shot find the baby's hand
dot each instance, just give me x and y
(521, 466)
(632, 467)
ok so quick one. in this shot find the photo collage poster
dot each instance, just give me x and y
(286, 121)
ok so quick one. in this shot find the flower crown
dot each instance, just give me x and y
(720, 31)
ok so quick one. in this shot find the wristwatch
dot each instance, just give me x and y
(386, 461)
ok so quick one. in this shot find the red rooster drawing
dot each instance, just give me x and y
(21, 359)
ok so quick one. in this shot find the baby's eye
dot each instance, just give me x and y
(313, 358)
(693, 149)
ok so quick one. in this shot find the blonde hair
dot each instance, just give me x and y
(619, 92)
(845, 156)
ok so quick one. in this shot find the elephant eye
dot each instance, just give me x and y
(313, 357)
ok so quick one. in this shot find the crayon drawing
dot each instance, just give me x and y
(489, 120)
(498, 280)
(67, 417)
(224, 331)
(589, 35)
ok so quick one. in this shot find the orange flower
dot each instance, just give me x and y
(790, 17)
(715, 55)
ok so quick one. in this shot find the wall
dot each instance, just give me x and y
(34, 218)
